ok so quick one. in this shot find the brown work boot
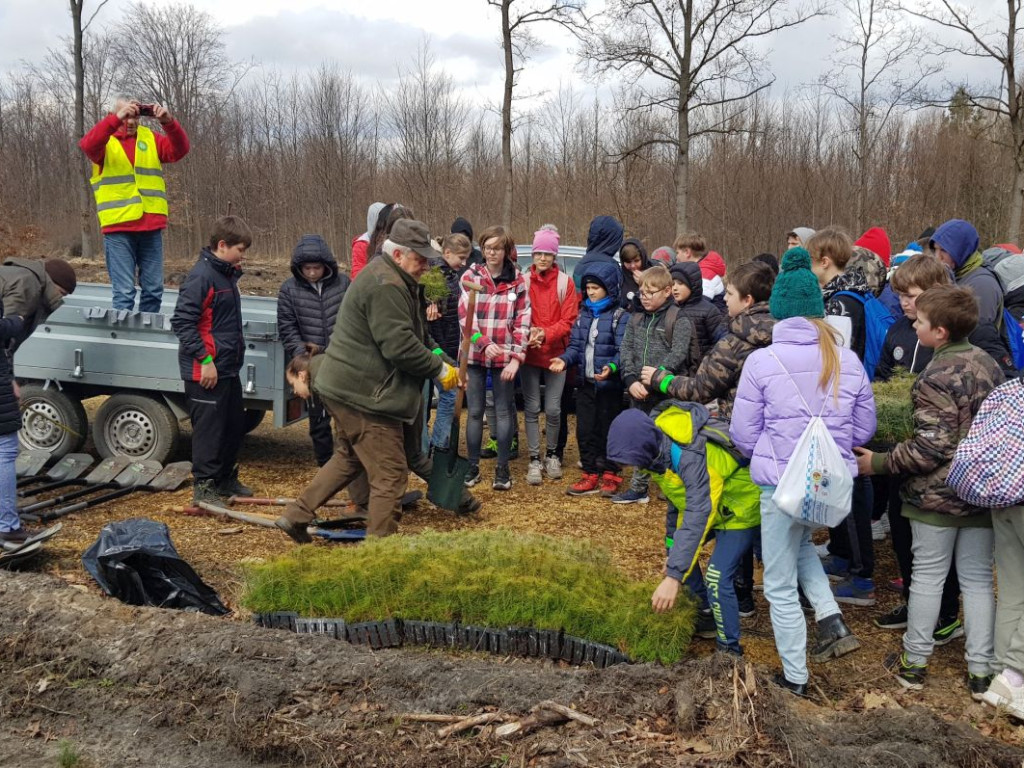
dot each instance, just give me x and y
(296, 531)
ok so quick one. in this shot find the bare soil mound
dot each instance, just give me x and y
(138, 686)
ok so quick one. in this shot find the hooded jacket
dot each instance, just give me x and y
(604, 241)
(704, 477)
(870, 266)
(306, 311)
(208, 318)
(708, 324)
(630, 293)
(719, 372)
(555, 316)
(502, 314)
(18, 293)
(26, 291)
(768, 416)
(597, 335)
(946, 397)
(380, 352)
(361, 242)
(852, 280)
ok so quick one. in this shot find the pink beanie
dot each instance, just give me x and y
(545, 240)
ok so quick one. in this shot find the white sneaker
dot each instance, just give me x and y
(533, 473)
(553, 467)
(821, 550)
(880, 528)
(1004, 695)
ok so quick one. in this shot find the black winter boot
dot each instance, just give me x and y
(834, 639)
(230, 485)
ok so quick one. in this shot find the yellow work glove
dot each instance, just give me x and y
(449, 377)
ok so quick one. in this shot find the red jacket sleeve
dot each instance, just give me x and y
(94, 143)
(568, 312)
(358, 257)
(172, 144)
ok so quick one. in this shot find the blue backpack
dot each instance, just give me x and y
(877, 321)
(1014, 338)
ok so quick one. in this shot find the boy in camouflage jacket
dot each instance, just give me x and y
(946, 397)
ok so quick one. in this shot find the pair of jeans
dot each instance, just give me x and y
(899, 530)
(128, 253)
(443, 417)
(530, 376)
(731, 546)
(504, 407)
(1008, 529)
(935, 547)
(9, 519)
(218, 426)
(596, 408)
(851, 539)
(791, 560)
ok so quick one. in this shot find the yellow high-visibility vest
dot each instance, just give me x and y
(124, 192)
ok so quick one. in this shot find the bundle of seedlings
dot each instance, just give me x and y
(495, 579)
(894, 408)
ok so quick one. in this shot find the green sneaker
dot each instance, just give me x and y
(910, 676)
(947, 630)
(490, 449)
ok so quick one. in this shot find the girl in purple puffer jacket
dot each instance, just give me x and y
(803, 364)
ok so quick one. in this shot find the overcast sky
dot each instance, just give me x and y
(372, 39)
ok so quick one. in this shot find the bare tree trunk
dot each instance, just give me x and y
(1014, 108)
(682, 172)
(506, 115)
(1016, 197)
(84, 192)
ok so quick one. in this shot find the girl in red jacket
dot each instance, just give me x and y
(553, 309)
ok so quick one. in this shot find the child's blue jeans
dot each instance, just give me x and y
(726, 561)
(9, 520)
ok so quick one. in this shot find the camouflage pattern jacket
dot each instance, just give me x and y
(870, 266)
(946, 397)
(719, 371)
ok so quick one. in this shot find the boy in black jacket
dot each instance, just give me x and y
(307, 306)
(709, 326)
(208, 323)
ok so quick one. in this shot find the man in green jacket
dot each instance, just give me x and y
(371, 382)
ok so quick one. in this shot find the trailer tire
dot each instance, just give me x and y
(135, 425)
(45, 410)
(253, 418)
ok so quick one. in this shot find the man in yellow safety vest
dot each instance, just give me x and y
(131, 197)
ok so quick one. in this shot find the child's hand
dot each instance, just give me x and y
(492, 351)
(664, 597)
(433, 313)
(638, 391)
(557, 365)
(508, 373)
(208, 375)
(604, 374)
(646, 373)
(537, 336)
(864, 461)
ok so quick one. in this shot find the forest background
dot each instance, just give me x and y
(685, 132)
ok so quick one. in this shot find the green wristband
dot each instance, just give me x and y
(614, 367)
(207, 359)
(476, 337)
(437, 351)
(664, 384)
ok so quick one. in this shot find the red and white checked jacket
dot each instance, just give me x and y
(502, 315)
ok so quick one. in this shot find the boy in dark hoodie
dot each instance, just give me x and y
(604, 241)
(708, 324)
(955, 244)
(633, 258)
(307, 306)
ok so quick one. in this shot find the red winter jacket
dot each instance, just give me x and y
(169, 148)
(359, 246)
(554, 316)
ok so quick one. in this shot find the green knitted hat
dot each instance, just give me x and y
(796, 292)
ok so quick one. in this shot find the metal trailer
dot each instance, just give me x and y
(86, 349)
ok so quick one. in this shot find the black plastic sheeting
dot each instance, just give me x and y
(135, 561)
(514, 641)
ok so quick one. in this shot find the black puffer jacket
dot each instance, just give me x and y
(708, 324)
(446, 331)
(306, 311)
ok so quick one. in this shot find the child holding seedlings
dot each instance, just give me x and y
(657, 336)
(946, 396)
(500, 334)
(307, 306)
(553, 310)
(594, 348)
(693, 461)
(208, 323)
(802, 373)
(443, 322)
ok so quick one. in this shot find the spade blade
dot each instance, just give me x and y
(139, 473)
(173, 476)
(70, 467)
(30, 463)
(107, 470)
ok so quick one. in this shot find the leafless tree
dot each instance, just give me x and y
(689, 56)
(879, 72)
(517, 16)
(961, 30)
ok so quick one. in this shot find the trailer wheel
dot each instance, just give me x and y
(253, 418)
(52, 421)
(136, 426)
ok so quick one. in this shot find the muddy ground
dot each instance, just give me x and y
(112, 685)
